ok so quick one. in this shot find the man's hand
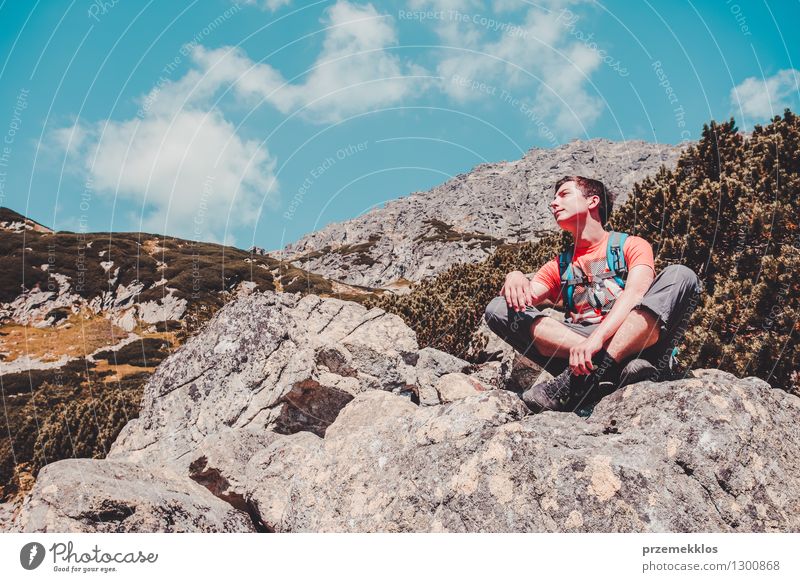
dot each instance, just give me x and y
(580, 355)
(517, 290)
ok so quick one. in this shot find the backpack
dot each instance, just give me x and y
(614, 258)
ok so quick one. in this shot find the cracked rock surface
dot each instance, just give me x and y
(83, 495)
(269, 361)
(308, 414)
(713, 453)
(267, 364)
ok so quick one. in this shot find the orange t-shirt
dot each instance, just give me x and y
(594, 300)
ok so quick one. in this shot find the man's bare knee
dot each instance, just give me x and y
(553, 338)
(641, 329)
(644, 318)
(543, 327)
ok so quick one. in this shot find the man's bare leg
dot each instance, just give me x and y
(552, 338)
(640, 330)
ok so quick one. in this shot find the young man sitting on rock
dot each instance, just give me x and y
(624, 321)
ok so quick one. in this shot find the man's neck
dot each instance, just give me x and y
(589, 234)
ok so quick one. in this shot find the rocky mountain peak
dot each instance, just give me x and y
(464, 219)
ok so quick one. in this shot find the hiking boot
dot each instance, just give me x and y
(637, 370)
(567, 393)
(564, 393)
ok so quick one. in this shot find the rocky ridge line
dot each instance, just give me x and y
(464, 219)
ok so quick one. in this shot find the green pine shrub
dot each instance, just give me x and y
(446, 310)
(63, 414)
(730, 211)
(84, 428)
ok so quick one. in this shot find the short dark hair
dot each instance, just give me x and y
(591, 187)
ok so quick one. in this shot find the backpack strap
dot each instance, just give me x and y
(568, 279)
(615, 257)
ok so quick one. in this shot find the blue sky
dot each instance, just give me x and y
(257, 122)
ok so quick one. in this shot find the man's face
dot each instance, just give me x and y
(569, 206)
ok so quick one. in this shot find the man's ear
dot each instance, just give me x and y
(594, 201)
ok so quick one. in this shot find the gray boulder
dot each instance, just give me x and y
(267, 364)
(7, 511)
(84, 496)
(433, 364)
(268, 361)
(452, 387)
(714, 453)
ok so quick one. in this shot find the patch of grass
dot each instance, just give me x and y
(311, 255)
(58, 315)
(87, 333)
(443, 232)
(59, 414)
(294, 280)
(195, 270)
(359, 248)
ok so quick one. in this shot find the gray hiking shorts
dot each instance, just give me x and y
(672, 297)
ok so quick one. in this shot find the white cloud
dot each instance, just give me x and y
(760, 99)
(449, 27)
(353, 73)
(271, 5)
(179, 159)
(188, 171)
(506, 5)
(70, 139)
(536, 59)
(184, 162)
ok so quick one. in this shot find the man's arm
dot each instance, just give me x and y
(520, 291)
(639, 280)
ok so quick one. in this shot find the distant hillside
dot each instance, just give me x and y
(465, 219)
(15, 222)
